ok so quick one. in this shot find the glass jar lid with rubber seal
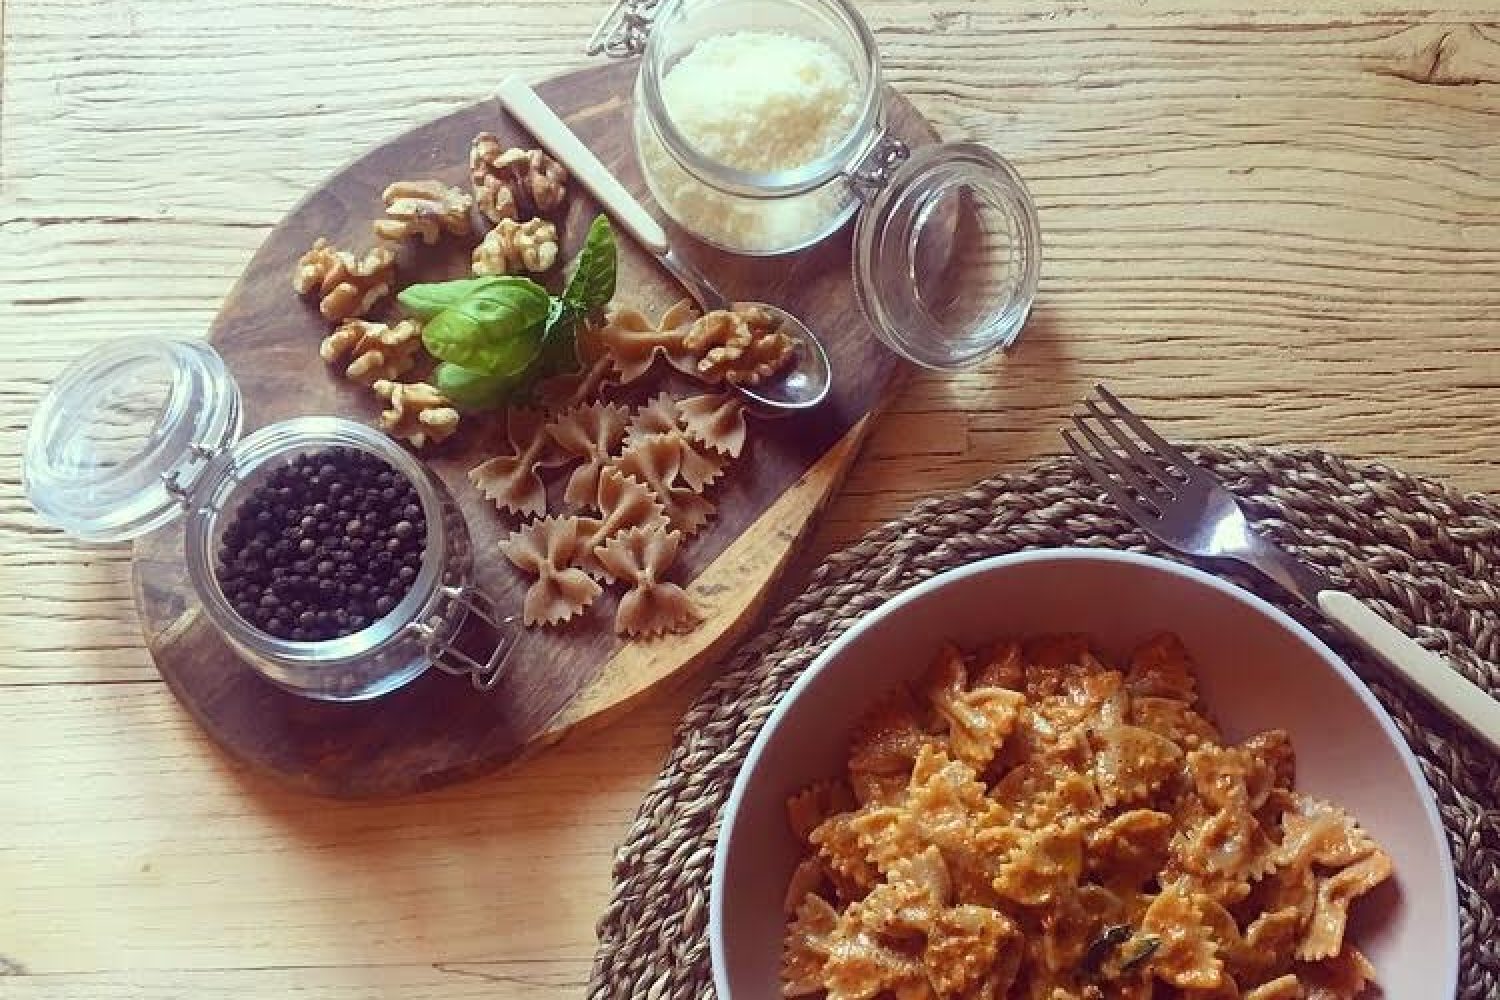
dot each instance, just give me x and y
(762, 128)
(327, 556)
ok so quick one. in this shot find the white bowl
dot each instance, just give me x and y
(1257, 669)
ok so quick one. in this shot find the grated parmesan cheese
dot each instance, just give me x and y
(757, 101)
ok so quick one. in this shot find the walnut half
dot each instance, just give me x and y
(742, 346)
(512, 247)
(424, 208)
(416, 412)
(517, 184)
(348, 286)
(374, 351)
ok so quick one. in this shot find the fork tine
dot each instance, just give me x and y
(1148, 464)
(1121, 468)
(1121, 496)
(1168, 453)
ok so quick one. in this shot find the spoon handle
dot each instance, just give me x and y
(553, 133)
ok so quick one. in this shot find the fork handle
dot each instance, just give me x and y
(1431, 674)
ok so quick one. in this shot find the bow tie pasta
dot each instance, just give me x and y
(1029, 821)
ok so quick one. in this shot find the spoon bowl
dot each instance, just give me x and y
(800, 387)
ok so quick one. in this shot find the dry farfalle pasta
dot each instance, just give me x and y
(1032, 818)
(634, 343)
(590, 432)
(426, 209)
(546, 549)
(741, 346)
(514, 247)
(656, 460)
(623, 503)
(511, 480)
(658, 415)
(517, 184)
(373, 351)
(595, 371)
(416, 412)
(346, 286)
(641, 556)
(715, 420)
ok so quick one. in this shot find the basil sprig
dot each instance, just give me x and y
(592, 283)
(496, 330)
(426, 301)
(470, 390)
(497, 335)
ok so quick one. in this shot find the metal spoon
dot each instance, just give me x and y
(802, 385)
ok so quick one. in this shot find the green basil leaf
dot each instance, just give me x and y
(447, 335)
(559, 342)
(510, 308)
(496, 330)
(1103, 946)
(471, 390)
(1149, 944)
(457, 337)
(592, 283)
(426, 301)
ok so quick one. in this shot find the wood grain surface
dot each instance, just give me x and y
(438, 728)
(1272, 222)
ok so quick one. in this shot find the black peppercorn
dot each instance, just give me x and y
(327, 544)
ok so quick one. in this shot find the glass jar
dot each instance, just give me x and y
(947, 247)
(147, 429)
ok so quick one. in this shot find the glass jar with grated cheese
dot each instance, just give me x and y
(748, 115)
(760, 128)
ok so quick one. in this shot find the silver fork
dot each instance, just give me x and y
(1184, 506)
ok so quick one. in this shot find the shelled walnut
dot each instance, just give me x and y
(416, 412)
(517, 184)
(741, 346)
(374, 351)
(424, 208)
(512, 247)
(348, 286)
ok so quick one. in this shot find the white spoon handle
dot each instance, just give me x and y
(1431, 674)
(555, 136)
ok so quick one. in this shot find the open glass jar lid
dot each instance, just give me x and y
(763, 126)
(120, 437)
(328, 602)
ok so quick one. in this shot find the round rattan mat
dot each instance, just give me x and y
(1426, 557)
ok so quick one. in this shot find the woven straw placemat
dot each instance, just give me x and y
(1426, 557)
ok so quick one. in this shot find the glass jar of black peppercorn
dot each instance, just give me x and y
(330, 559)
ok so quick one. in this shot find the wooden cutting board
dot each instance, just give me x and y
(438, 728)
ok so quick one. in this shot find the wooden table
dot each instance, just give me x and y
(1268, 222)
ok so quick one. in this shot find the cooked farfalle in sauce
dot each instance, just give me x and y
(1031, 822)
